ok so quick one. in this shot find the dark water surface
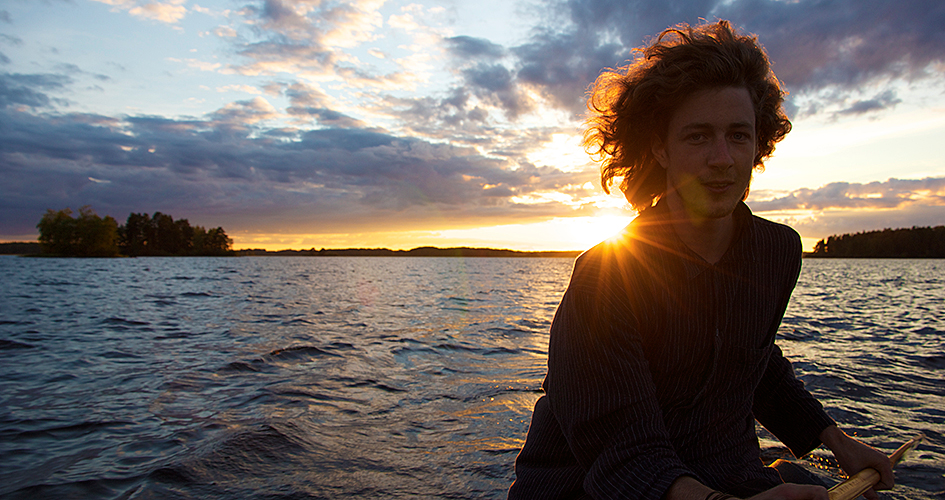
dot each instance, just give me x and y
(379, 377)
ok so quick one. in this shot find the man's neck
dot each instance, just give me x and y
(707, 237)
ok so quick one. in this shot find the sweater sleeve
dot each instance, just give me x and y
(784, 407)
(781, 403)
(602, 395)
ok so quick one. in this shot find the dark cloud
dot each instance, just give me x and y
(309, 103)
(26, 89)
(453, 117)
(815, 45)
(278, 17)
(467, 47)
(846, 43)
(884, 100)
(562, 66)
(494, 84)
(232, 164)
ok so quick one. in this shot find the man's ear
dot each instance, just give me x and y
(659, 151)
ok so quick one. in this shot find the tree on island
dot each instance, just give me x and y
(89, 235)
(160, 234)
(915, 242)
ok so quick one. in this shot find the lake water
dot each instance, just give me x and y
(333, 377)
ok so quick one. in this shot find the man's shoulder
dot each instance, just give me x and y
(774, 233)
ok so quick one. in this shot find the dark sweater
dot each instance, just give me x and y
(659, 363)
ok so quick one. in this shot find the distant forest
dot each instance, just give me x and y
(89, 235)
(915, 242)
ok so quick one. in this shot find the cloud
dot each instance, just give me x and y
(495, 86)
(233, 164)
(301, 36)
(25, 89)
(164, 12)
(240, 116)
(889, 194)
(168, 11)
(474, 48)
(884, 100)
(846, 43)
(249, 89)
(309, 103)
(828, 51)
(225, 32)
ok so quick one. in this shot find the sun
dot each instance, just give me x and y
(589, 231)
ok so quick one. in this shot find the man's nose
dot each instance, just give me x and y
(721, 156)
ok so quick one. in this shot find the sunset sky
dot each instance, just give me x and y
(329, 124)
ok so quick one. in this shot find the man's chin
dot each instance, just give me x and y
(718, 210)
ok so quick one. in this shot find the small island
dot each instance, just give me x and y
(88, 235)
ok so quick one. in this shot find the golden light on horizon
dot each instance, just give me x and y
(557, 234)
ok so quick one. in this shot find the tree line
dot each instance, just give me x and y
(88, 235)
(914, 242)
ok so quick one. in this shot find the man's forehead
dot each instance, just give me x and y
(721, 107)
(708, 125)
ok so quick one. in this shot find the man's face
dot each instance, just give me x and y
(709, 152)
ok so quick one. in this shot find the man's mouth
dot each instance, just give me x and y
(718, 186)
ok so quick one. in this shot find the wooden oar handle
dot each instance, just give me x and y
(857, 484)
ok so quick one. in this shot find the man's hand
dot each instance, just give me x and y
(687, 488)
(789, 491)
(855, 456)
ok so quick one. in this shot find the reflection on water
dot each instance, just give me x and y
(866, 336)
(375, 377)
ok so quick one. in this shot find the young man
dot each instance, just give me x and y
(662, 352)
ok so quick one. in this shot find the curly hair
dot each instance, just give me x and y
(631, 106)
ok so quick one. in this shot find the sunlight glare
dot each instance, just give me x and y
(563, 151)
(560, 233)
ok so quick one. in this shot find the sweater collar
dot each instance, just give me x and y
(653, 228)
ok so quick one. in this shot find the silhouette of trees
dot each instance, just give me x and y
(160, 234)
(87, 235)
(915, 242)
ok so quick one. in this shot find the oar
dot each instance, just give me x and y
(867, 478)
